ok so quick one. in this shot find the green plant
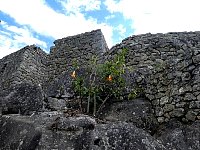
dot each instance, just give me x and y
(101, 81)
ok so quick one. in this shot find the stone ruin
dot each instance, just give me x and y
(35, 92)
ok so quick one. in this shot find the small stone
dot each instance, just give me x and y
(168, 107)
(159, 111)
(151, 97)
(198, 117)
(196, 59)
(159, 95)
(189, 97)
(167, 115)
(161, 119)
(180, 104)
(166, 119)
(194, 104)
(198, 97)
(186, 76)
(187, 88)
(181, 90)
(196, 87)
(190, 115)
(155, 102)
(178, 112)
(164, 100)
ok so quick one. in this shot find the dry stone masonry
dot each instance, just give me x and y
(168, 69)
(25, 65)
(81, 47)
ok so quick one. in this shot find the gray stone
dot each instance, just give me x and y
(186, 76)
(159, 111)
(189, 97)
(124, 136)
(181, 104)
(190, 116)
(161, 119)
(136, 111)
(168, 107)
(174, 134)
(56, 104)
(195, 104)
(18, 134)
(164, 100)
(22, 99)
(196, 59)
(177, 112)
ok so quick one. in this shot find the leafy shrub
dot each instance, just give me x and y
(101, 82)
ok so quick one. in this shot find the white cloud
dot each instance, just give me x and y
(14, 38)
(121, 29)
(44, 20)
(158, 15)
(81, 5)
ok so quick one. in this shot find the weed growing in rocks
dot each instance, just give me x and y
(100, 82)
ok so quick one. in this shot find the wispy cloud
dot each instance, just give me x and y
(121, 29)
(13, 38)
(41, 18)
(158, 15)
(73, 6)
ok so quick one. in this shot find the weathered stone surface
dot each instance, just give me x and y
(50, 130)
(18, 134)
(56, 104)
(137, 111)
(25, 65)
(175, 135)
(124, 136)
(22, 99)
(54, 131)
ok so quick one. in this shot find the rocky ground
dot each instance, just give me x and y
(123, 125)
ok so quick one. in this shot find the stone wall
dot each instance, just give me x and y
(167, 67)
(80, 47)
(26, 65)
(8, 68)
(33, 67)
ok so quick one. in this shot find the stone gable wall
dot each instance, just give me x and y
(26, 65)
(8, 68)
(80, 47)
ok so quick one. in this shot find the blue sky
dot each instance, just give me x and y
(40, 22)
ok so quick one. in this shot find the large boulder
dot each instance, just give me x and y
(124, 136)
(137, 111)
(22, 98)
(47, 130)
(175, 135)
(57, 130)
(17, 133)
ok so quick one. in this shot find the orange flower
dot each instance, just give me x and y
(109, 78)
(73, 75)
